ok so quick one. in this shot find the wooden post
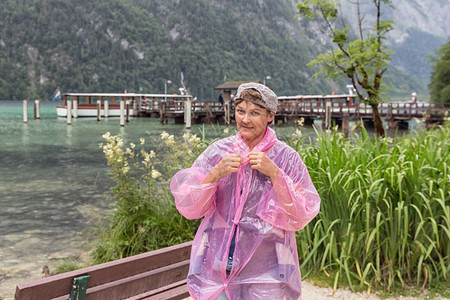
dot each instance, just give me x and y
(328, 115)
(75, 108)
(106, 108)
(25, 111)
(122, 117)
(37, 109)
(69, 112)
(99, 110)
(128, 112)
(227, 112)
(345, 123)
(188, 111)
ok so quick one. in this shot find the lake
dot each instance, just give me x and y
(54, 184)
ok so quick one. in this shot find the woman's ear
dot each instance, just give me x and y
(271, 117)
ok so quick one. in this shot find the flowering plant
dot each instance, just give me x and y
(144, 216)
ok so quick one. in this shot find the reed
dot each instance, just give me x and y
(384, 221)
(385, 215)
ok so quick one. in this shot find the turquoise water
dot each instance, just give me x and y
(54, 180)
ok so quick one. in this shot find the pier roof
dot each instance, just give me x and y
(230, 85)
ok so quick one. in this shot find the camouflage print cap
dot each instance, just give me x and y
(269, 98)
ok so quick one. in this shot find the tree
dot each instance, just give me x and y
(440, 77)
(363, 59)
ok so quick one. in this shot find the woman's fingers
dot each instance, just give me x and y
(229, 164)
(261, 162)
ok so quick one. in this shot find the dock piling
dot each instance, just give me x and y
(122, 117)
(328, 115)
(37, 109)
(188, 111)
(128, 112)
(75, 108)
(106, 108)
(69, 112)
(25, 111)
(99, 110)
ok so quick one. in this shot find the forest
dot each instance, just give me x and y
(117, 45)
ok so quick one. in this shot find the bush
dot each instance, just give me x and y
(145, 217)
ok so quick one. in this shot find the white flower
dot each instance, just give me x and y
(155, 174)
(164, 135)
(226, 131)
(170, 140)
(132, 145)
(142, 140)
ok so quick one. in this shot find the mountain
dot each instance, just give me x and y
(117, 45)
(420, 28)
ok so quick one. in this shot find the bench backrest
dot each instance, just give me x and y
(120, 279)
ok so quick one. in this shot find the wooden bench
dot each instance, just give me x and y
(159, 274)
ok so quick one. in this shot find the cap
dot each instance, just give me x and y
(269, 98)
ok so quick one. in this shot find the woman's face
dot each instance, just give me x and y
(251, 121)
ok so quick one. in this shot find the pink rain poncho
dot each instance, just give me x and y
(262, 218)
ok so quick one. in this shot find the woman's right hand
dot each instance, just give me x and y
(229, 164)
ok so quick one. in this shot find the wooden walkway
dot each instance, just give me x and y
(332, 109)
(314, 107)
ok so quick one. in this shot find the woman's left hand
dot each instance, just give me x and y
(261, 162)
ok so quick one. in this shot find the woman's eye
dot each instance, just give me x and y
(255, 113)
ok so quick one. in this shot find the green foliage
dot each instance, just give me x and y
(67, 265)
(145, 217)
(440, 79)
(384, 221)
(110, 46)
(363, 60)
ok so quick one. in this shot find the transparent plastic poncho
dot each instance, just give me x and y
(262, 216)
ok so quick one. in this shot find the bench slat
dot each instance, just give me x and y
(141, 283)
(177, 290)
(59, 285)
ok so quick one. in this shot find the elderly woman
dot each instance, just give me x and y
(253, 192)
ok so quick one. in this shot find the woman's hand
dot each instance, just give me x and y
(226, 165)
(261, 162)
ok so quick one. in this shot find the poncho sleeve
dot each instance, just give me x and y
(194, 199)
(292, 202)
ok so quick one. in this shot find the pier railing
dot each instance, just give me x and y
(167, 106)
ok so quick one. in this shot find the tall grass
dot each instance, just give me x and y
(384, 220)
(385, 215)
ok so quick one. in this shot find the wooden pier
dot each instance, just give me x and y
(332, 109)
(341, 107)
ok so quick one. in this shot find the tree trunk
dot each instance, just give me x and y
(378, 124)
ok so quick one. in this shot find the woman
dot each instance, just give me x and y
(253, 192)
